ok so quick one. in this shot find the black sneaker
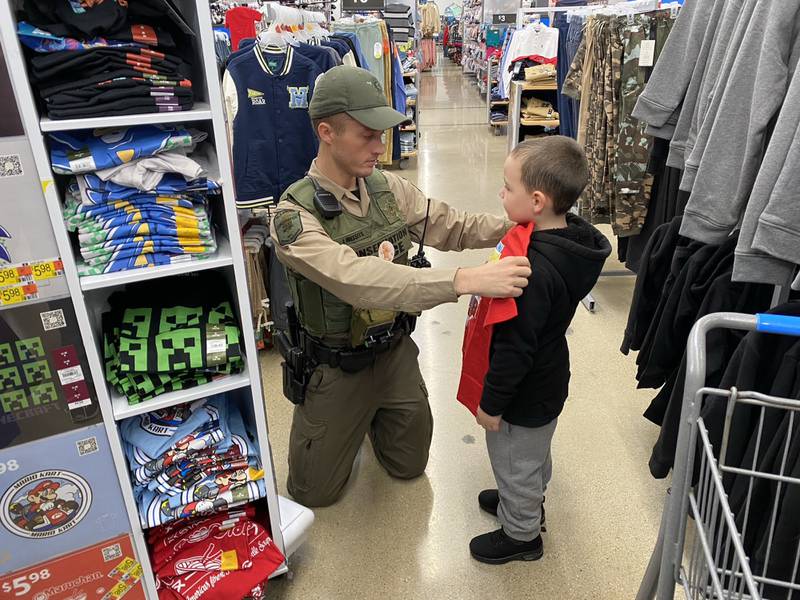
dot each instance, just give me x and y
(489, 500)
(496, 548)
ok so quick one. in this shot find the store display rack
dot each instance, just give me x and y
(498, 105)
(471, 19)
(288, 521)
(516, 121)
(412, 77)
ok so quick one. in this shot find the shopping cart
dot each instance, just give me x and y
(716, 564)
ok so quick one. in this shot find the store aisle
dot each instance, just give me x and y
(409, 539)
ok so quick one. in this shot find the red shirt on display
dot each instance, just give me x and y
(241, 21)
(483, 314)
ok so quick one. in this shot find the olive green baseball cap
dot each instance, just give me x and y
(357, 92)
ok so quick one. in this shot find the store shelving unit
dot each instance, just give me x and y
(495, 126)
(412, 77)
(471, 19)
(515, 119)
(223, 258)
(288, 521)
(200, 112)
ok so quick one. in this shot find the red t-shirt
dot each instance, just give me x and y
(483, 314)
(220, 564)
(241, 21)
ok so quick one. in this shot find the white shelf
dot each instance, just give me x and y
(200, 112)
(230, 254)
(296, 520)
(222, 258)
(123, 410)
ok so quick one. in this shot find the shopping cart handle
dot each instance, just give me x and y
(778, 324)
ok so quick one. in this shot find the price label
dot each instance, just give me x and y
(647, 53)
(47, 270)
(9, 276)
(504, 18)
(20, 586)
(12, 295)
(18, 293)
(362, 5)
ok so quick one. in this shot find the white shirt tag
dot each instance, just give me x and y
(647, 53)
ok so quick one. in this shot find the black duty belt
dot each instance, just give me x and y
(353, 360)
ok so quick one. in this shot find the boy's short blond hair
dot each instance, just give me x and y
(555, 165)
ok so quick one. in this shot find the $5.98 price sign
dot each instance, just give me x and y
(18, 283)
(22, 585)
(47, 269)
(18, 293)
(13, 275)
(30, 272)
(105, 568)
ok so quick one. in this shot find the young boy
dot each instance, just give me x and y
(528, 378)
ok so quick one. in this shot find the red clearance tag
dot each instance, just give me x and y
(144, 34)
(152, 53)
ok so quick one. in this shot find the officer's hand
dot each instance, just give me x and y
(488, 422)
(502, 279)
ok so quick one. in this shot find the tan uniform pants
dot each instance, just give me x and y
(388, 401)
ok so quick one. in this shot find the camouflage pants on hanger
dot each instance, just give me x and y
(633, 183)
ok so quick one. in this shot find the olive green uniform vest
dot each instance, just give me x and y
(323, 315)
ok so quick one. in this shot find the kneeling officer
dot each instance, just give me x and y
(344, 233)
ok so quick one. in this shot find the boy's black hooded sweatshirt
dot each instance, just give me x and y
(528, 376)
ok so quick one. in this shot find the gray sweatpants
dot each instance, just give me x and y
(522, 467)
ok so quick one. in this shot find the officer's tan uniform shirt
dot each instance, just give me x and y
(370, 281)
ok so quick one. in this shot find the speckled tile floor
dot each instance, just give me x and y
(409, 539)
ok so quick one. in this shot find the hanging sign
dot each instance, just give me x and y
(504, 18)
(362, 5)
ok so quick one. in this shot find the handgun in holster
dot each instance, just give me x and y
(296, 366)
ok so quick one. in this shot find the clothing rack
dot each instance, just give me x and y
(283, 14)
(627, 8)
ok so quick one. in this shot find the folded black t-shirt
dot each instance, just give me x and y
(70, 18)
(130, 106)
(73, 100)
(114, 78)
(144, 34)
(98, 60)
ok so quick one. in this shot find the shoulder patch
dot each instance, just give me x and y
(288, 226)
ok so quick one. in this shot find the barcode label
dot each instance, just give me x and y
(70, 375)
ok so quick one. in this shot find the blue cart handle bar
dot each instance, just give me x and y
(778, 324)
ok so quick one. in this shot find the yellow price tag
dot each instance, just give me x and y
(229, 561)
(47, 270)
(136, 573)
(126, 565)
(118, 591)
(12, 295)
(9, 276)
